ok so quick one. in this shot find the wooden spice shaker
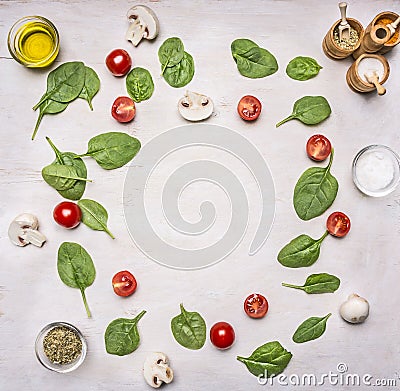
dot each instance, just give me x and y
(386, 18)
(355, 75)
(332, 49)
(375, 37)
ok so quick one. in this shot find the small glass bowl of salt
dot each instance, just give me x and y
(376, 170)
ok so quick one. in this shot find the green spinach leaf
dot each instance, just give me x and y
(301, 252)
(122, 336)
(318, 283)
(69, 159)
(65, 83)
(48, 106)
(181, 74)
(61, 177)
(241, 46)
(303, 68)
(170, 53)
(189, 329)
(269, 359)
(310, 110)
(76, 268)
(90, 87)
(254, 63)
(315, 191)
(113, 149)
(94, 216)
(311, 328)
(139, 84)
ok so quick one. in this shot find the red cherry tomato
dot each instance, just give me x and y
(249, 108)
(256, 306)
(338, 224)
(67, 214)
(123, 109)
(119, 62)
(318, 147)
(222, 335)
(124, 283)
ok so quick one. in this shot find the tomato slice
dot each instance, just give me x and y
(318, 147)
(256, 306)
(222, 335)
(338, 224)
(67, 214)
(249, 108)
(124, 283)
(123, 109)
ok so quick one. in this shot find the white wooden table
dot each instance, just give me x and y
(367, 260)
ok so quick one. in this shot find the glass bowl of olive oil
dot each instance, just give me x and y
(60, 347)
(34, 42)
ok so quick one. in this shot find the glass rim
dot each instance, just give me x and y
(59, 367)
(386, 190)
(21, 21)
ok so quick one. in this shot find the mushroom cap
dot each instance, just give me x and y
(195, 107)
(355, 309)
(146, 17)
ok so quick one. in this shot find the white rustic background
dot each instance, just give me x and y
(367, 260)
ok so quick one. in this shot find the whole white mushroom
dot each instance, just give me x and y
(355, 309)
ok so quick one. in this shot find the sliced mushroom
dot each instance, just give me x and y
(195, 107)
(156, 370)
(143, 23)
(24, 230)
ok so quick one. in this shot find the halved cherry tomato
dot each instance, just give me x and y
(67, 214)
(124, 283)
(119, 62)
(338, 224)
(123, 109)
(318, 147)
(222, 335)
(249, 108)
(256, 306)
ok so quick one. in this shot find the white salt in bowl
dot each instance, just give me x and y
(376, 170)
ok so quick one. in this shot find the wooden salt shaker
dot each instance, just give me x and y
(355, 76)
(332, 49)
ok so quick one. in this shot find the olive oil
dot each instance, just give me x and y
(33, 41)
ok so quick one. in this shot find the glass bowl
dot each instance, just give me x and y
(376, 170)
(43, 359)
(29, 36)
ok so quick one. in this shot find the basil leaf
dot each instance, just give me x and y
(48, 106)
(301, 252)
(90, 87)
(139, 84)
(241, 46)
(122, 336)
(189, 329)
(65, 83)
(75, 268)
(61, 177)
(318, 283)
(302, 68)
(69, 159)
(256, 63)
(310, 110)
(311, 328)
(94, 216)
(315, 191)
(181, 74)
(269, 359)
(113, 149)
(170, 52)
